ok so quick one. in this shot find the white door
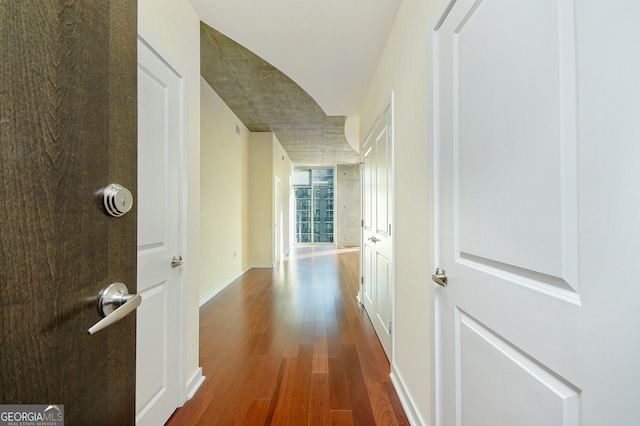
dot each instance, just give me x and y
(537, 213)
(376, 235)
(277, 219)
(159, 144)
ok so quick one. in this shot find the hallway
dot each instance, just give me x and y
(292, 346)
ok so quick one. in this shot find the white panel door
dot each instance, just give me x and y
(537, 209)
(159, 144)
(376, 243)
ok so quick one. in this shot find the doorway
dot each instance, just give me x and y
(277, 219)
(377, 213)
(160, 142)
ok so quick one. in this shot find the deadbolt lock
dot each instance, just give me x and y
(117, 200)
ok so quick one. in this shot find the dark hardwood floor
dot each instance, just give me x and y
(291, 346)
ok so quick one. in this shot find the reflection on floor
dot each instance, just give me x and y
(291, 345)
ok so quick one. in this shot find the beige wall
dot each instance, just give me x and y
(224, 194)
(260, 198)
(405, 69)
(174, 25)
(237, 195)
(266, 161)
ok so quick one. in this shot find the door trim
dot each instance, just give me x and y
(437, 402)
(435, 219)
(277, 225)
(390, 108)
(185, 389)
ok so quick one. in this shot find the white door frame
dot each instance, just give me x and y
(277, 223)
(146, 38)
(436, 416)
(390, 107)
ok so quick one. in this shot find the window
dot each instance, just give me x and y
(313, 189)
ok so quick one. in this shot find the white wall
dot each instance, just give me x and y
(283, 169)
(224, 172)
(405, 68)
(174, 25)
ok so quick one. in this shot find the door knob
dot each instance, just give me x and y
(117, 199)
(114, 304)
(440, 277)
(176, 261)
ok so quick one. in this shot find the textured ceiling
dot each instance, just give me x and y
(330, 48)
(265, 99)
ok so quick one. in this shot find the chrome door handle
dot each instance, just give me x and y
(176, 261)
(114, 304)
(374, 239)
(440, 277)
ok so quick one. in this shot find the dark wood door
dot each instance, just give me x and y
(67, 129)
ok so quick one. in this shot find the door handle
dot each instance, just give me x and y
(440, 277)
(114, 304)
(176, 261)
(373, 239)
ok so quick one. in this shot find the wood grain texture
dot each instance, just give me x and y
(397, 405)
(341, 418)
(319, 410)
(257, 412)
(292, 346)
(383, 411)
(320, 355)
(67, 84)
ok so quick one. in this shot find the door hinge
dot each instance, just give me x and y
(389, 229)
(389, 327)
(362, 280)
(362, 223)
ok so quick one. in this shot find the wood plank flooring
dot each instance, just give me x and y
(291, 346)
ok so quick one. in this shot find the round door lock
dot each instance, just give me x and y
(117, 200)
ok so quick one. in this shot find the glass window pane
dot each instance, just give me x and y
(302, 177)
(303, 214)
(314, 205)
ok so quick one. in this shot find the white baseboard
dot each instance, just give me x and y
(211, 293)
(261, 265)
(194, 383)
(405, 398)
